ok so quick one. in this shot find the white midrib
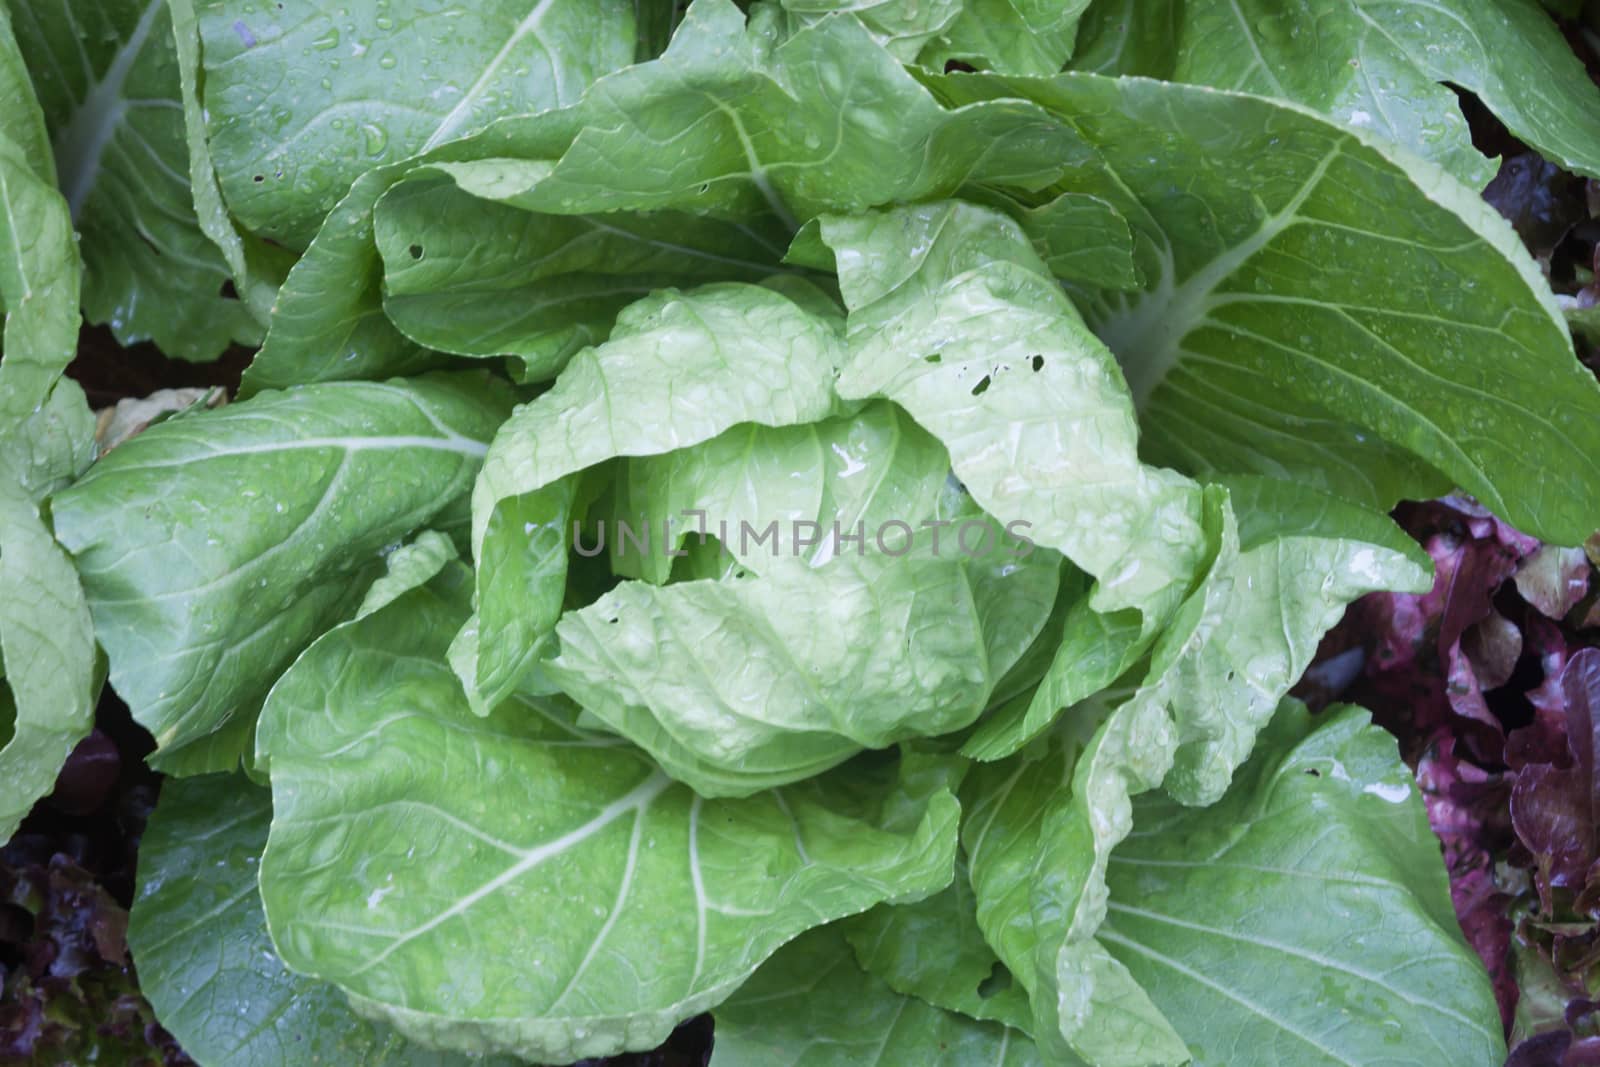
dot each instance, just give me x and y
(1148, 338)
(82, 142)
(458, 114)
(637, 800)
(462, 446)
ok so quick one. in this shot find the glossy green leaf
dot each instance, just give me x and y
(934, 950)
(1127, 37)
(411, 565)
(205, 961)
(738, 121)
(1010, 36)
(902, 27)
(327, 321)
(1214, 679)
(215, 546)
(1318, 316)
(49, 674)
(256, 265)
(680, 369)
(811, 1006)
(48, 448)
(1382, 66)
(39, 266)
(108, 81)
(954, 317)
(1093, 651)
(603, 904)
(1083, 239)
(1316, 871)
(477, 278)
(23, 121)
(1010, 809)
(283, 164)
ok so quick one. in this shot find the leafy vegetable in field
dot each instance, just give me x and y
(798, 510)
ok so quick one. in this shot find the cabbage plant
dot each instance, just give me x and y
(807, 511)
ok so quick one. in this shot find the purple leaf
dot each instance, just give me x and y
(1554, 807)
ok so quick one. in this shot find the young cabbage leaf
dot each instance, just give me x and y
(934, 950)
(226, 996)
(39, 265)
(874, 471)
(954, 317)
(1384, 66)
(1315, 870)
(282, 168)
(108, 81)
(680, 369)
(1333, 283)
(1215, 676)
(478, 278)
(51, 670)
(604, 902)
(860, 652)
(215, 546)
(812, 1006)
(736, 121)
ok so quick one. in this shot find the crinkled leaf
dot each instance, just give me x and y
(1320, 315)
(214, 546)
(954, 317)
(746, 683)
(812, 1006)
(603, 903)
(48, 651)
(205, 961)
(108, 81)
(874, 469)
(284, 162)
(1095, 650)
(680, 369)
